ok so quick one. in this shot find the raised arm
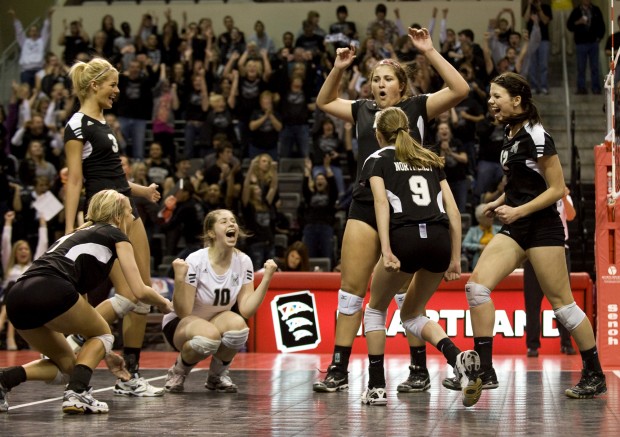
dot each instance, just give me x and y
(140, 290)
(456, 87)
(249, 299)
(328, 100)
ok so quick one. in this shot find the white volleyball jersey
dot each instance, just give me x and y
(215, 293)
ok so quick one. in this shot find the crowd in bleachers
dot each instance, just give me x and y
(230, 120)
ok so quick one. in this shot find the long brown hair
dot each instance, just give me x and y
(517, 85)
(393, 125)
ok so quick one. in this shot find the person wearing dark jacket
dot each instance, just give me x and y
(588, 27)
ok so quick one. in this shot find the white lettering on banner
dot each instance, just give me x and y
(612, 324)
(455, 319)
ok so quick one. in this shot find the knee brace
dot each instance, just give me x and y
(204, 346)
(235, 339)
(400, 299)
(374, 320)
(107, 340)
(570, 316)
(348, 303)
(416, 325)
(141, 308)
(59, 379)
(121, 305)
(477, 294)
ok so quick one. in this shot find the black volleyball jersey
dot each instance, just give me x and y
(414, 194)
(84, 257)
(101, 163)
(519, 159)
(364, 112)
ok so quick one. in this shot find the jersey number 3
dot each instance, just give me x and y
(222, 297)
(419, 187)
(114, 143)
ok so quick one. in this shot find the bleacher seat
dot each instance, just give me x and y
(291, 165)
(290, 182)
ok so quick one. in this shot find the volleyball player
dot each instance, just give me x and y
(93, 160)
(532, 230)
(360, 246)
(419, 228)
(206, 287)
(48, 301)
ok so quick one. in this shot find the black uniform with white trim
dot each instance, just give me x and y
(364, 114)
(419, 225)
(525, 182)
(75, 264)
(101, 164)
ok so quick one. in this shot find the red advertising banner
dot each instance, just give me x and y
(607, 249)
(299, 314)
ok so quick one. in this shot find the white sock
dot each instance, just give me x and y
(179, 367)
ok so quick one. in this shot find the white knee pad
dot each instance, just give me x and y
(204, 346)
(142, 308)
(374, 320)
(236, 339)
(400, 299)
(59, 379)
(416, 325)
(477, 294)
(121, 305)
(570, 316)
(107, 340)
(348, 303)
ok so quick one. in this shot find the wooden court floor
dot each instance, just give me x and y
(276, 399)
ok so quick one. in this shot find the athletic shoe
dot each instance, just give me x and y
(488, 377)
(336, 380)
(174, 380)
(374, 396)
(82, 403)
(419, 380)
(221, 383)
(137, 386)
(4, 398)
(591, 384)
(532, 352)
(466, 369)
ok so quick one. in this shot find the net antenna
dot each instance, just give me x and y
(610, 139)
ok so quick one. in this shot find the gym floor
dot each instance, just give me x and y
(275, 398)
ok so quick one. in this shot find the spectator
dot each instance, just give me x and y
(33, 45)
(295, 258)
(313, 20)
(212, 198)
(98, 46)
(319, 209)
(588, 27)
(15, 261)
(391, 30)
(455, 154)
(477, 237)
(54, 72)
(262, 40)
(170, 41)
(265, 126)
(327, 148)
(342, 32)
(43, 168)
(295, 108)
(223, 170)
(135, 102)
(219, 121)
(539, 13)
(226, 39)
(165, 102)
(259, 213)
(107, 26)
(196, 104)
(33, 129)
(124, 46)
(157, 165)
(184, 220)
(75, 42)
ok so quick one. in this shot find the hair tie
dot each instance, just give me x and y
(400, 129)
